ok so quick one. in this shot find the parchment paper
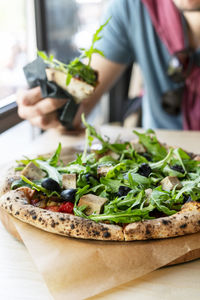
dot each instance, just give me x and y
(79, 269)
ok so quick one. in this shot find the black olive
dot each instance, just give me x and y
(68, 195)
(51, 185)
(144, 170)
(123, 190)
(178, 168)
(146, 155)
(189, 199)
(186, 198)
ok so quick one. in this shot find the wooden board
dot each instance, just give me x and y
(6, 219)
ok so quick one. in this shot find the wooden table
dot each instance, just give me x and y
(19, 278)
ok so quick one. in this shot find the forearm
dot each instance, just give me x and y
(108, 73)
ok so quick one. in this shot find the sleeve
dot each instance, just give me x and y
(115, 42)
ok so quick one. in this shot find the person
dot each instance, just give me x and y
(131, 36)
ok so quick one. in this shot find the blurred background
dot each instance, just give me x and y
(57, 27)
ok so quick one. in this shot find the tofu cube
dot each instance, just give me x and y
(69, 181)
(33, 172)
(113, 154)
(94, 203)
(138, 147)
(103, 170)
(169, 182)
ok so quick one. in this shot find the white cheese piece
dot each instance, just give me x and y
(94, 203)
(169, 182)
(33, 172)
(69, 181)
(77, 88)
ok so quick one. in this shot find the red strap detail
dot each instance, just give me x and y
(168, 24)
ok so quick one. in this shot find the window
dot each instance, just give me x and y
(67, 25)
(17, 44)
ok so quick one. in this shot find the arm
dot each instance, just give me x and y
(108, 72)
(43, 113)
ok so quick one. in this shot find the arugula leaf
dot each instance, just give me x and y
(161, 163)
(53, 161)
(189, 187)
(111, 184)
(87, 53)
(38, 187)
(150, 142)
(19, 183)
(126, 216)
(161, 199)
(139, 180)
(51, 171)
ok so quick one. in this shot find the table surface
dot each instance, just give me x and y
(19, 278)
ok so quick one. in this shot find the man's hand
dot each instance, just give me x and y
(40, 112)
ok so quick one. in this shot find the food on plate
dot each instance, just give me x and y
(122, 190)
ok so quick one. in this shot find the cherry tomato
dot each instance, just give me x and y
(66, 207)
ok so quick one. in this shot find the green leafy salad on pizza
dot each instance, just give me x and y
(133, 190)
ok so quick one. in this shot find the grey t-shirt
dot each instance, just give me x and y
(130, 37)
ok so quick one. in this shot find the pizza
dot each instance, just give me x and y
(77, 77)
(112, 191)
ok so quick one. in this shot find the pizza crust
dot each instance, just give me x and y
(7, 180)
(184, 222)
(16, 203)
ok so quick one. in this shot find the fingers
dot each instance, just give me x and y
(41, 108)
(46, 121)
(40, 112)
(29, 97)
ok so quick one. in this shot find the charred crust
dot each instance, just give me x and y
(72, 226)
(34, 217)
(40, 219)
(183, 225)
(148, 230)
(95, 232)
(62, 219)
(104, 229)
(53, 224)
(106, 234)
(166, 222)
(8, 198)
(17, 213)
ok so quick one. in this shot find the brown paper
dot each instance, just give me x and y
(78, 269)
